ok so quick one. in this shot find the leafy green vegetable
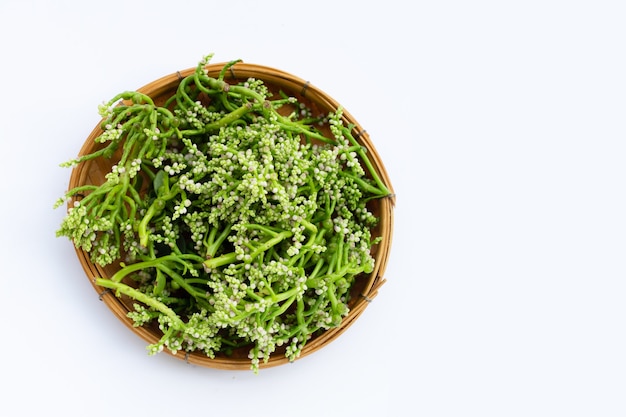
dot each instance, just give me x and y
(254, 225)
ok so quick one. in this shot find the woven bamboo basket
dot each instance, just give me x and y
(364, 290)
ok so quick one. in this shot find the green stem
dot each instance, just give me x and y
(330, 276)
(284, 307)
(198, 295)
(143, 298)
(308, 226)
(105, 152)
(366, 161)
(150, 263)
(315, 271)
(300, 315)
(225, 259)
(182, 98)
(367, 186)
(155, 208)
(231, 257)
(268, 244)
(224, 121)
(138, 266)
(300, 129)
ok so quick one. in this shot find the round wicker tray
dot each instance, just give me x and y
(364, 290)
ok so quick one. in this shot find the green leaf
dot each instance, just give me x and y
(160, 183)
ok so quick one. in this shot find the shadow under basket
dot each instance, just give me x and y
(365, 287)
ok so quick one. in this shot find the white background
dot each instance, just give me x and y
(502, 125)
